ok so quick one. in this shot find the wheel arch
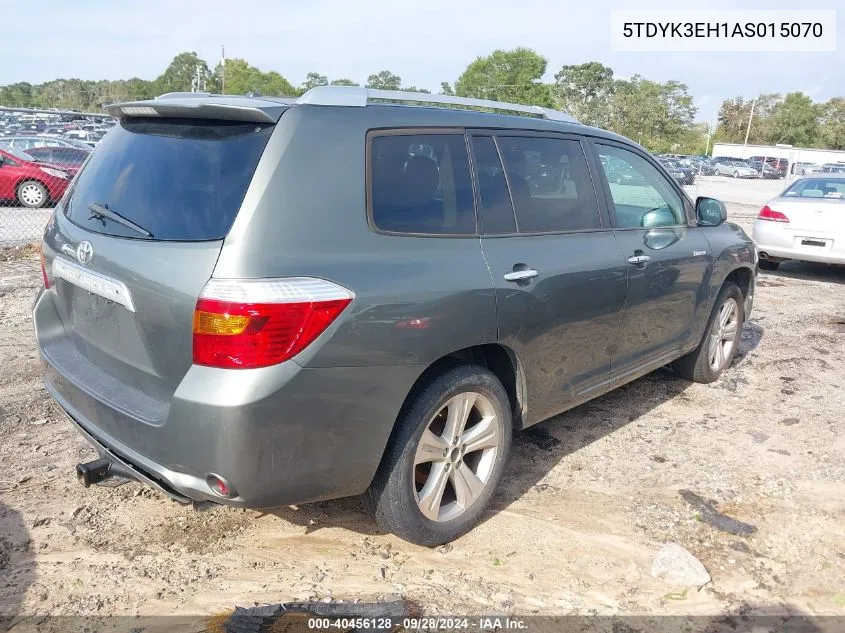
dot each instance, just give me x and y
(499, 359)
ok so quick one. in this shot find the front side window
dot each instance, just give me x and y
(642, 197)
(550, 184)
(420, 183)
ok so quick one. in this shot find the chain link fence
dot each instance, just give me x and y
(41, 150)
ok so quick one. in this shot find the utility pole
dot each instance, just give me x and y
(750, 118)
(222, 69)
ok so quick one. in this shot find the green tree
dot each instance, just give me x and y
(241, 78)
(446, 89)
(181, 73)
(22, 95)
(513, 76)
(343, 82)
(732, 120)
(312, 80)
(795, 121)
(659, 116)
(415, 89)
(584, 91)
(384, 80)
(832, 124)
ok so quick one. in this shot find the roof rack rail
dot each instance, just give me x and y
(356, 96)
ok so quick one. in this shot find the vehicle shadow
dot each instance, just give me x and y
(807, 271)
(538, 449)
(17, 565)
(746, 618)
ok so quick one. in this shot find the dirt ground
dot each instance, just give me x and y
(589, 497)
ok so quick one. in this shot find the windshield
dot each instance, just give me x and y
(180, 179)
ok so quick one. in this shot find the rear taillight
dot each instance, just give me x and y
(44, 268)
(242, 324)
(767, 213)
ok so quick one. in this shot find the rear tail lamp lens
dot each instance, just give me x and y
(767, 213)
(244, 324)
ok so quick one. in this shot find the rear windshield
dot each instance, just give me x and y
(180, 179)
(817, 188)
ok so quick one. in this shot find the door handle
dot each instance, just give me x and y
(638, 259)
(521, 275)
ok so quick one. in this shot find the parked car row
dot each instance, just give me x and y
(84, 130)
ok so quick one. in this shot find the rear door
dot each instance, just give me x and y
(125, 299)
(559, 274)
(669, 260)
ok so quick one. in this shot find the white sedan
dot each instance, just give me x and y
(806, 222)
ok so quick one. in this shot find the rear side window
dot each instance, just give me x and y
(550, 184)
(180, 179)
(496, 209)
(420, 183)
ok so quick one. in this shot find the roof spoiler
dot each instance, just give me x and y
(201, 106)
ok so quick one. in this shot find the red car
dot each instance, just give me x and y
(69, 159)
(28, 182)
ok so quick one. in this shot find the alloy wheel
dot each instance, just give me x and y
(723, 334)
(455, 456)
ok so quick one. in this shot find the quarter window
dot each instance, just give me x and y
(421, 184)
(642, 197)
(550, 184)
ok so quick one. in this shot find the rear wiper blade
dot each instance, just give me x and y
(100, 211)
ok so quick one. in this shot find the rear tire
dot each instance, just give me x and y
(767, 264)
(32, 194)
(721, 339)
(429, 497)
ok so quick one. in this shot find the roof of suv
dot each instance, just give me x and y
(448, 110)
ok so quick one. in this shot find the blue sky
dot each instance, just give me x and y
(424, 41)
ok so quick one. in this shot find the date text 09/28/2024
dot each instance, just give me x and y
(421, 623)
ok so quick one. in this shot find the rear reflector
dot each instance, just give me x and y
(44, 268)
(243, 324)
(767, 213)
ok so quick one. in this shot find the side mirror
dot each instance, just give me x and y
(710, 212)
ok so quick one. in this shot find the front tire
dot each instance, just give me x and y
(445, 458)
(717, 349)
(32, 194)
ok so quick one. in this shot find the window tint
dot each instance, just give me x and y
(421, 184)
(550, 184)
(496, 209)
(180, 179)
(642, 196)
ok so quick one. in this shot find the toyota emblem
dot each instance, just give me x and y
(84, 252)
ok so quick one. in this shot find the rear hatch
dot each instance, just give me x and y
(130, 249)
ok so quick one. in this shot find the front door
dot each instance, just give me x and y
(560, 277)
(669, 260)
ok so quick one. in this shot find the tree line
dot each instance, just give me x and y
(659, 115)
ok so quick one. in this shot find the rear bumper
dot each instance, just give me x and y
(280, 435)
(773, 240)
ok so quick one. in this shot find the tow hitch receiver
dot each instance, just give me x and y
(93, 472)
